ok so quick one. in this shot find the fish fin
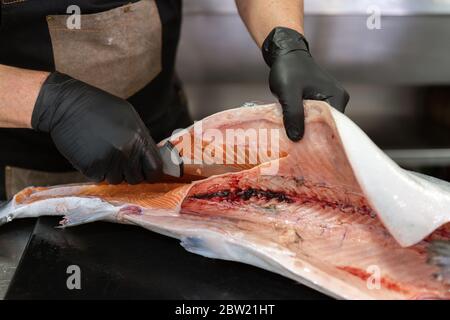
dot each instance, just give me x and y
(198, 246)
(439, 255)
(76, 218)
(219, 247)
(81, 211)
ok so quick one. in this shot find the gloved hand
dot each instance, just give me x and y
(100, 134)
(294, 76)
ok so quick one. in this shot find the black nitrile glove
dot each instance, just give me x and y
(294, 76)
(100, 134)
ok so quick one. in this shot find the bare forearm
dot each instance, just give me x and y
(19, 89)
(261, 16)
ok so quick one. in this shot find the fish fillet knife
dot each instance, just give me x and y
(172, 161)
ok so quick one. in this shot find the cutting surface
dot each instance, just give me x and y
(13, 240)
(128, 262)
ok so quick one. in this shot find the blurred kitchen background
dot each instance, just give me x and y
(398, 76)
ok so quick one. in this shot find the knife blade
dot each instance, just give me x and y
(172, 161)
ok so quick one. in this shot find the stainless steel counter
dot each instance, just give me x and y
(407, 50)
(336, 7)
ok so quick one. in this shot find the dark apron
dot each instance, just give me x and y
(123, 48)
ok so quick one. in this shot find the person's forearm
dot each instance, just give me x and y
(19, 89)
(261, 16)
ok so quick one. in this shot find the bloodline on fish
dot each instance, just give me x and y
(241, 195)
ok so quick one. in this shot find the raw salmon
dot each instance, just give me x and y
(331, 211)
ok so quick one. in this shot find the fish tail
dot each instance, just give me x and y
(76, 210)
(439, 255)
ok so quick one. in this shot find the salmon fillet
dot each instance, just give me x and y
(331, 211)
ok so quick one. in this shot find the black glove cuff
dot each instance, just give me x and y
(281, 41)
(48, 101)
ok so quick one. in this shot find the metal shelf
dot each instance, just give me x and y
(335, 7)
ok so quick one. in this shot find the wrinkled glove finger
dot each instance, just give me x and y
(151, 164)
(95, 172)
(114, 174)
(293, 114)
(338, 99)
(133, 170)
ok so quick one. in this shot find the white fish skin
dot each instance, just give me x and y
(411, 206)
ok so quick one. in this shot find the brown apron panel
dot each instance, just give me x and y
(118, 50)
(17, 179)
